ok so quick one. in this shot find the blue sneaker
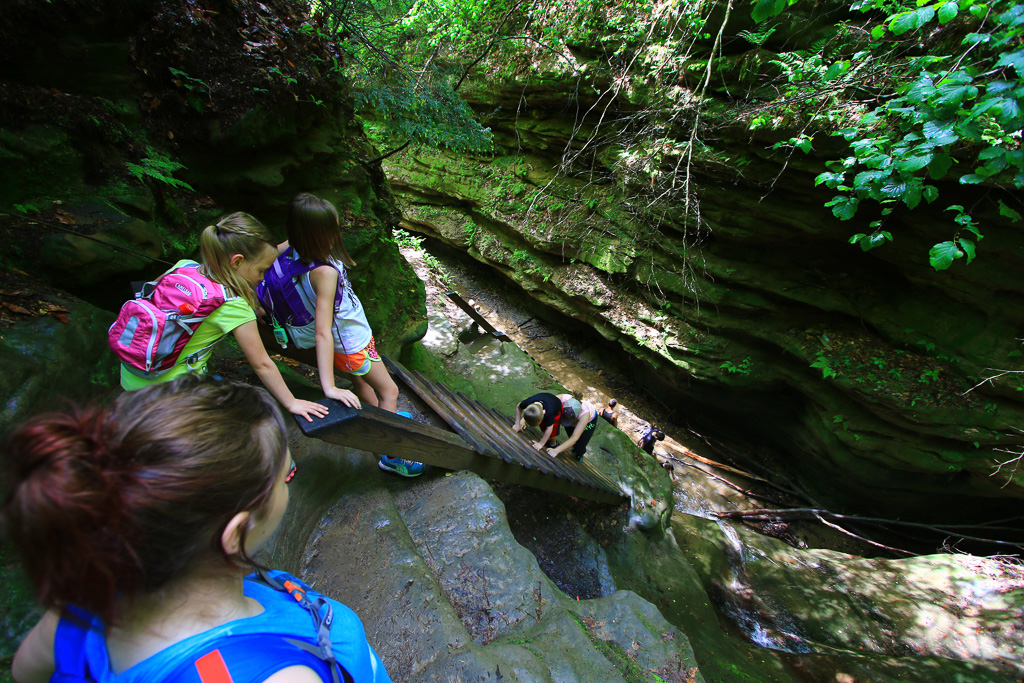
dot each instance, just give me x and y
(400, 466)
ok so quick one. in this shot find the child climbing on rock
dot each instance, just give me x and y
(309, 298)
(171, 329)
(548, 411)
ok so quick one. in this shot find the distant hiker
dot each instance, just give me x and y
(609, 413)
(647, 441)
(136, 524)
(477, 330)
(548, 411)
(170, 329)
(310, 301)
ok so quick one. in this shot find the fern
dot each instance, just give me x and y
(756, 39)
(158, 167)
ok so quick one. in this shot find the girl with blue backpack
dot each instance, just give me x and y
(172, 325)
(310, 301)
(137, 523)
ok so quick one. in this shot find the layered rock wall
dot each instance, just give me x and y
(722, 271)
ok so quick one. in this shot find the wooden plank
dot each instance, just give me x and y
(464, 422)
(439, 406)
(479, 319)
(380, 431)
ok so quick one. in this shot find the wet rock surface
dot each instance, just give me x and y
(464, 600)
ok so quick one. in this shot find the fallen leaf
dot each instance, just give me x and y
(61, 317)
(15, 308)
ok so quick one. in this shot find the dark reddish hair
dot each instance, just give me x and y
(314, 230)
(111, 503)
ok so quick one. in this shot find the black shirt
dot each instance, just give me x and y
(552, 407)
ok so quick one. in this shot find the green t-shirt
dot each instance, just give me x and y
(218, 325)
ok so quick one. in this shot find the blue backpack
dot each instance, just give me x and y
(240, 658)
(280, 297)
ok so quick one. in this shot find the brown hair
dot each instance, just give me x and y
(533, 414)
(237, 233)
(314, 230)
(111, 503)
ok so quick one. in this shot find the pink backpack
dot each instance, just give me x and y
(153, 328)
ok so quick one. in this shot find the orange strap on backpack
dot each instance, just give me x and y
(212, 669)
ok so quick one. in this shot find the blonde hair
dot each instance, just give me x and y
(533, 414)
(315, 231)
(238, 233)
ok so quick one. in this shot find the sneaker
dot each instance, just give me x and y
(400, 466)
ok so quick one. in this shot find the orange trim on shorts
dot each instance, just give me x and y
(357, 363)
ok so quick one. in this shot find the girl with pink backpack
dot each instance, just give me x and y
(172, 325)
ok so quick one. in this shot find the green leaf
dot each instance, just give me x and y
(952, 94)
(765, 9)
(923, 15)
(940, 133)
(1007, 212)
(837, 69)
(942, 255)
(865, 178)
(947, 12)
(902, 23)
(875, 240)
(877, 32)
(939, 165)
(1014, 59)
(843, 208)
(914, 163)
(856, 238)
(830, 179)
(968, 247)
(931, 193)
(972, 179)
(912, 197)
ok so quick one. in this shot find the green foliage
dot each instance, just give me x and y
(765, 9)
(407, 240)
(960, 107)
(158, 167)
(742, 368)
(823, 364)
(391, 57)
(194, 86)
(27, 208)
(426, 111)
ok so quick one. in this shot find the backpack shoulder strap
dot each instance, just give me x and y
(69, 646)
(321, 618)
